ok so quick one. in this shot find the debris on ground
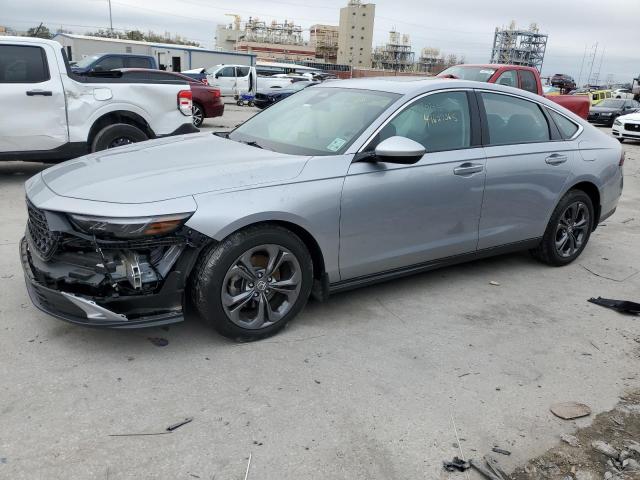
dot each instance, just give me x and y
(627, 220)
(622, 306)
(570, 410)
(456, 465)
(570, 439)
(492, 470)
(246, 475)
(607, 449)
(175, 426)
(501, 451)
(617, 272)
(158, 341)
(494, 283)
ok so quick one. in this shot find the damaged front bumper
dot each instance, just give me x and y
(75, 287)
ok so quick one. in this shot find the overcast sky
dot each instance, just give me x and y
(462, 27)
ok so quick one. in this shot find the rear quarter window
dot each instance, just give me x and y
(528, 81)
(567, 127)
(23, 64)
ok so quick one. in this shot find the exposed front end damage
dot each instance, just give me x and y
(106, 282)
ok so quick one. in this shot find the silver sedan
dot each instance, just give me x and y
(338, 186)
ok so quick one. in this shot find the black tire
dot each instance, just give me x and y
(117, 135)
(198, 115)
(547, 251)
(208, 279)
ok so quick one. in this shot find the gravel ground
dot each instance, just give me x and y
(367, 385)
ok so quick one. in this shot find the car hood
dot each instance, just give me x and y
(604, 110)
(633, 117)
(169, 168)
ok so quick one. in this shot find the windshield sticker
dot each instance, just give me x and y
(336, 144)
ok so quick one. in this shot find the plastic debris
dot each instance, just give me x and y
(622, 306)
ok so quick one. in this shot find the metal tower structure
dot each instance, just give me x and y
(519, 47)
(395, 55)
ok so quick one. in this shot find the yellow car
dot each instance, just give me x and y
(596, 96)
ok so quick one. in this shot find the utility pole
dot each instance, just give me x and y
(110, 18)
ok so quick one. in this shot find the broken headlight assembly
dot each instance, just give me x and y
(127, 228)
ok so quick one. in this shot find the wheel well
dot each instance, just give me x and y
(119, 116)
(594, 194)
(309, 241)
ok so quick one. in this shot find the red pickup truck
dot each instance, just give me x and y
(526, 78)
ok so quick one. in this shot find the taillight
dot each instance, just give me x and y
(205, 81)
(621, 162)
(185, 102)
(216, 93)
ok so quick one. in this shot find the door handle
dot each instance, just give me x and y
(555, 159)
(467, 169)
(44, 93)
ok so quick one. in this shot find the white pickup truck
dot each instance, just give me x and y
(239, 79)
(51, 114)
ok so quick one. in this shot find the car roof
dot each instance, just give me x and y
(410, 85)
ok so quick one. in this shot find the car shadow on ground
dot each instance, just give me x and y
(319, 319)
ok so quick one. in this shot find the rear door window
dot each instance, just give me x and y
(508, 78)
(513, 120)
(137, 62)
(242, 71)
(528, 81)
(109, 63)
(23, 64)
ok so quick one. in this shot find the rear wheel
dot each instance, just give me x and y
(252, 283)
(117, 135)
(568, 230)
(197, 113)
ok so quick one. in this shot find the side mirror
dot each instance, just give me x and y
(98, 68)
(401, 150)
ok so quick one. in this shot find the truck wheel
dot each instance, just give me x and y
(197, 113)
(117, 135)
(251, 284)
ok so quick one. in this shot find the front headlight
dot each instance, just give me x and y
(129, 227)
(606, 114)
(617, 122)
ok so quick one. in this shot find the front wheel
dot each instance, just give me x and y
(252, 283)
(117, 135)
(568, 230)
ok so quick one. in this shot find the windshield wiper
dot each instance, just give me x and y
(253, 143)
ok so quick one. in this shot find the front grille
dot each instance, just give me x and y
(632, 127)
(43, 240)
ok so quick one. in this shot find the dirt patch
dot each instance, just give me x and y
(608, 449)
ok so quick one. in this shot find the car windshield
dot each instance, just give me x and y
(612, 103)
(479, 74)
(86, 61)
(315, 121)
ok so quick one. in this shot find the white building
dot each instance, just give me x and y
(175, 58)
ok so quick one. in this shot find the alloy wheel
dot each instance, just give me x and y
(261, 286)
(572, 229)
(198, 116)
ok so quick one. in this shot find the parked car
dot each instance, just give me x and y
(608, 110)
(207, 102)
(199, 74)
(340, 185)
(104, 62)
(595, 95)
(525, 78)
(51, 114)
(563, 81)
(266, 98)
(625, 93)
(627, 127)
